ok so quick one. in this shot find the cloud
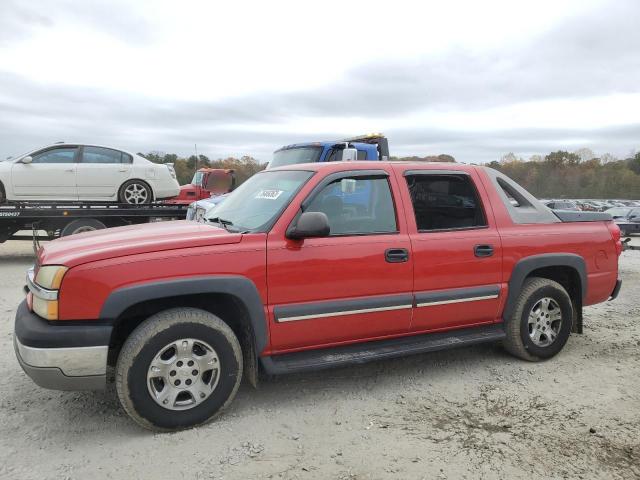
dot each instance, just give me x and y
(473, 103)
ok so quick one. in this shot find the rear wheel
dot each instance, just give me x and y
(135, 192)
(541, 321)
(178, 369)
(82, 225)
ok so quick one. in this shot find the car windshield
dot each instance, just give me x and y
(293, 156)
(255, 205)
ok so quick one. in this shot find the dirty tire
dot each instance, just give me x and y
(135, 192)
(518, 341)
(82, 225)
(142, 346)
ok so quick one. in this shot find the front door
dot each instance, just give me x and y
(352, 285)
(101, 171)
(456, 250)
(51, 175)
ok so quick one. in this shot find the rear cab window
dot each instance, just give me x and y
(445, 201)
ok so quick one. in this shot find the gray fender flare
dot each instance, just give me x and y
(525, 266)
(243, 289)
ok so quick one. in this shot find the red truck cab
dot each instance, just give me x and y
(307, 267)
(206, 182)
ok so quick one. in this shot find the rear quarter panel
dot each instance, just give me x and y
(590, 240)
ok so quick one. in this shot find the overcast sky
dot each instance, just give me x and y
(475, 79)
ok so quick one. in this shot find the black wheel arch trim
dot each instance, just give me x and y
(239, 287)
(525, 266)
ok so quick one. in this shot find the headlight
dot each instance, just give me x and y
(50, 276)
(44, 289)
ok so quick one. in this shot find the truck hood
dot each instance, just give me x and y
(131, 240)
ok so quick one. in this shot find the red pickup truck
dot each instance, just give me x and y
(307, 267)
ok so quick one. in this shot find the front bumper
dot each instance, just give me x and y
(61, 357)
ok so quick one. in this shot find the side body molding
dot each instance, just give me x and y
(243, 289)
(528, 264)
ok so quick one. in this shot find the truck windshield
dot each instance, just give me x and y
(292, 156)
(256, 204)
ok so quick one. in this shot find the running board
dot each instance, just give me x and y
(377, 350)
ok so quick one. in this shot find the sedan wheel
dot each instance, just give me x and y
(136, 193)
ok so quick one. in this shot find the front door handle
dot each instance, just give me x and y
(483, 250)
(396, 255)
(70, 170)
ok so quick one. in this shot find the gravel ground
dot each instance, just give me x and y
(467, 413)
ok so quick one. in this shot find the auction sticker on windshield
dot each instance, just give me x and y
(269, 194)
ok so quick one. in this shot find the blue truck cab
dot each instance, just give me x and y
(374, 146)
(366, 147)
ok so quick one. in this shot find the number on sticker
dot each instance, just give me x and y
(269, 194)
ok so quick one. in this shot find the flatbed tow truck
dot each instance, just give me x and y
(59, 219)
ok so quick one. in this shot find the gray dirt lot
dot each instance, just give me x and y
(468, 413)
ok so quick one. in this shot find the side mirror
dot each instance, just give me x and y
(309, 225)
(27, 159)
(349, 154)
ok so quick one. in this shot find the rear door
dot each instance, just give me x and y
(51, 175)
(101, 171)
(456, 250)
(353, 285)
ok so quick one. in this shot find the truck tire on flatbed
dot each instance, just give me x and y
(82, 225)
(541, 321)
(178, 369)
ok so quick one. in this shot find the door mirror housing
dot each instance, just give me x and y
(349, 154)
(28, 159)
(310, 225)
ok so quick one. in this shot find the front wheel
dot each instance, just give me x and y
(541, 321)
(135, 192)
(178, 369)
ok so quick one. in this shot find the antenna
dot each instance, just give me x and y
(195, 145)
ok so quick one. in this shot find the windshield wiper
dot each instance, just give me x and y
(222, 222)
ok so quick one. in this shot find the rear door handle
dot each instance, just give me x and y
(483, 250)
(396, 255)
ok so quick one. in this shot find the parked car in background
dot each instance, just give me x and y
(562, 205)
(70, 171)
(627, 219)
(200, 210)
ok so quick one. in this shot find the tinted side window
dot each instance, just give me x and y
(357, 206)
(101, 155)
(55, 155)
(443, 202)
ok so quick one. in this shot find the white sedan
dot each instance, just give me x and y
(85, 172)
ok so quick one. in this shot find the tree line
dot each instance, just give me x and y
(580, 174)
(560, 174)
